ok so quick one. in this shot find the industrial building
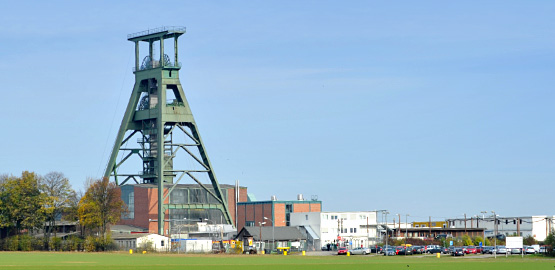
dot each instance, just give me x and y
(273, 212)
(535, 226)
(342, 228)
(142, 204)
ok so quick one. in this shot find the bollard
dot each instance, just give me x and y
(438, 254)
(285, 253)
(130, 251)
(263, 252)
(144, 251)
(348, 254)
(303, 252)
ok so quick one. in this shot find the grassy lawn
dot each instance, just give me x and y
(105, 261)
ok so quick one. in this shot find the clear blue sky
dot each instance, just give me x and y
(431, 108)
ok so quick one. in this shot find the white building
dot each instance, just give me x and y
(536, 226)
(128, 241)
(344, 228)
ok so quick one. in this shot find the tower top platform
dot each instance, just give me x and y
(163, 32)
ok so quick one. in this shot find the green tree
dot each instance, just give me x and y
(22, 203)
(529, 240)
(467, 241)
(101, 205)
(550, 241)
(476, 241)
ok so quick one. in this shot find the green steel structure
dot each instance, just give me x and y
(160, 118)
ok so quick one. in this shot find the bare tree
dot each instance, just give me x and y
(57, 189)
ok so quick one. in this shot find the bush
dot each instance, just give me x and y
(146, 246)
(25, 242)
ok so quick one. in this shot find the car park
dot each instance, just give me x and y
(342, 251)
(360, 251)
(457, 252)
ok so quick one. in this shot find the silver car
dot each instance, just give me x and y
(501, 250)
(360, 251)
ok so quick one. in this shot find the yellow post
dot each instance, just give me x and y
(263, 252)
(144, 251)
(438, 254)
(285, 253)
(303, 252)
(130, 251)
(348, 254)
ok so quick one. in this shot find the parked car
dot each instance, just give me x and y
(457, 252)
(375, 249)
(342, 251)
(445, 250)
(470, 250)
(487, 250)
(501, 250)
(389, 251)
(404, 251)
(417, 249)
(479, 250)
(360, 251)
(530, 250)
(433, 250)
(516, 250)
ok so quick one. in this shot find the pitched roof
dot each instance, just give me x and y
(279, 234)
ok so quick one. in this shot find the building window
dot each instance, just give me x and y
(129, 200)
(354, 230)
(162, 243)
(306, 217)
(249, 224)
(351, 230)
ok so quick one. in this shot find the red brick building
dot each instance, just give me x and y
(253, 213)
(142, 202)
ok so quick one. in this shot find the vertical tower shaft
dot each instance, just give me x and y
(165, 130)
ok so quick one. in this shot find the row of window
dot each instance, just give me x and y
(344, 217)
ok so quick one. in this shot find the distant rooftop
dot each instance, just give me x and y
(170, 29)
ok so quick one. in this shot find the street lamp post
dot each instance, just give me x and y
(495, 232)
(386, 232)
(406, 228)
(260, 240)
(484, 218)
(273, 230)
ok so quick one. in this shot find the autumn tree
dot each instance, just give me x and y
(22, 203)
(101, 205)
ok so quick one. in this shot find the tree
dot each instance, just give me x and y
(550, 242)
(22, 203)
(101, 205)
(467, 241)
(529, 240)
(57, 192)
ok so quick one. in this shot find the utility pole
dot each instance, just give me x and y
(484, 218)
(430, 228)
(465, 223)
(399, 232)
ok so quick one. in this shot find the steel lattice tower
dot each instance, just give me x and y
(155, 121)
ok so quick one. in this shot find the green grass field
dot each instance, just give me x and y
(106, 261)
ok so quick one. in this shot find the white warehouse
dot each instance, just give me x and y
(352, 229)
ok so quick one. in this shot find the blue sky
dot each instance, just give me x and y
(430, 108)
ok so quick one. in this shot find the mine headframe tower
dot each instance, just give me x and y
(155, 121)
